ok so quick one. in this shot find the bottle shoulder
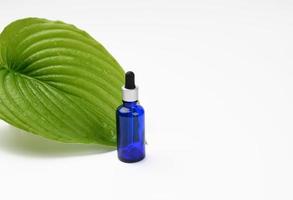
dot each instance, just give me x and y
(135, 110)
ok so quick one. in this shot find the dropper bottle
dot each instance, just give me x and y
(130, 123)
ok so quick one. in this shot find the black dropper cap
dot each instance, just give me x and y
(129, 80)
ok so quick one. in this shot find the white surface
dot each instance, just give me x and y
(216, 81)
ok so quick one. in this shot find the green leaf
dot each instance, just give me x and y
(56, 81)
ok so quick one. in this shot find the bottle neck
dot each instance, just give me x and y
(129, 104)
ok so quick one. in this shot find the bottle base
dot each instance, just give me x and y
(132, 153)
(131, 160)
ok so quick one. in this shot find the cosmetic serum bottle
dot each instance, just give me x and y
(130, 123)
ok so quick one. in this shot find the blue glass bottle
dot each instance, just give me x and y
(130, 124)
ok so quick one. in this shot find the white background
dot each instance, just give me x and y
(216, 81)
